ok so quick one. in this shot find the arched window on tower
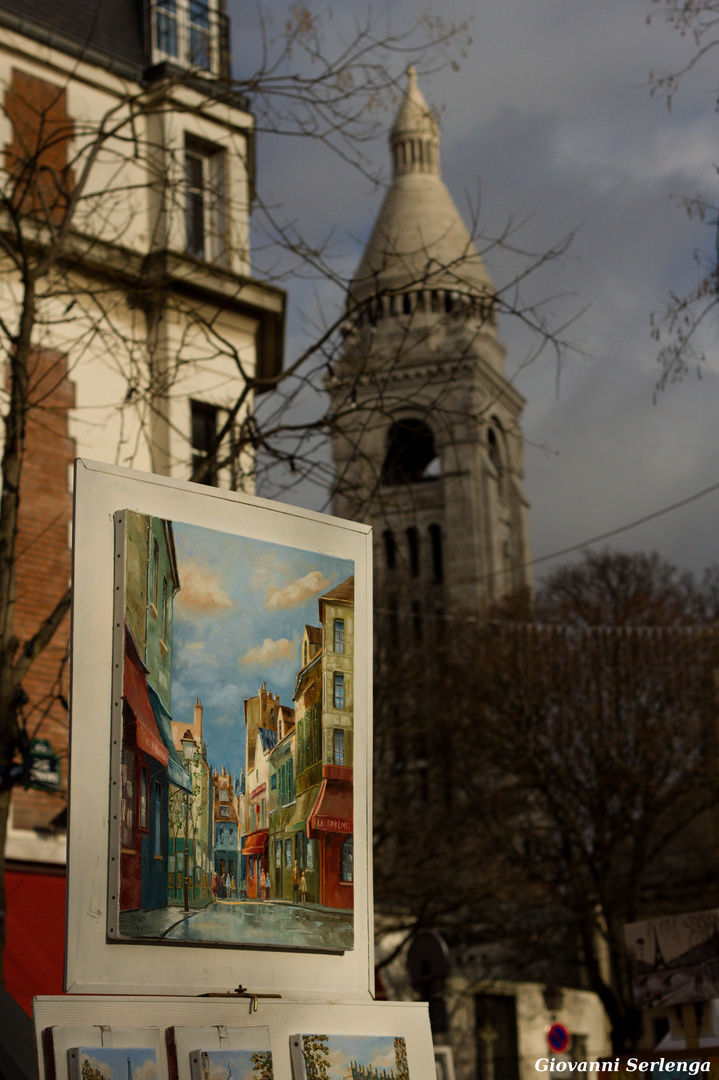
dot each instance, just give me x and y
(413, 548)
(411, 455)
(495, 455)
(435, 537)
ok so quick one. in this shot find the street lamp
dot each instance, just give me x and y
(188, 751)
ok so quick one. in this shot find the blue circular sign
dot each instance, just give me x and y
(558, 1038)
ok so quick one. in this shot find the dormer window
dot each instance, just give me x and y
(186, 31)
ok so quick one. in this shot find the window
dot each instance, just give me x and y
(224, 811)
(203, 425)
(200, 52)
(143, 798)
(339, 635)
(166, 27)
(413, 547)
(495, 456)
(288, 852)
(206, 198)
(186, 31)
(339, 747)
(155, 573)
(278, 852)
(273, 782)
(164, 608)
(127, 808)
(435, 537)
(347, 860)
(411, 455)
(339, 690)
(310, 854)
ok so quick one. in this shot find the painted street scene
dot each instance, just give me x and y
(235, 785)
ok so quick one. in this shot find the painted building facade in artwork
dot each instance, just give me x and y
(310, 840)
(190, 843)
(150, 764)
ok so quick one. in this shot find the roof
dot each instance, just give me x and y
(115, 34)
(419, 239)
(268, 738)
(115, 29)
(314, 634)
(344, 591)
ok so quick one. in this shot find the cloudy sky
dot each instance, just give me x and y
(238, 622)
(550, 118)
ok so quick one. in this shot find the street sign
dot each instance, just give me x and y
(43, 766)
(558, 1038)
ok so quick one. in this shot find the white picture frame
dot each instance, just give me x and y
(94, 963)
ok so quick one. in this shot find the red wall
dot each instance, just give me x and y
(35, 945)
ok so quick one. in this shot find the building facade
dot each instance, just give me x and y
(145, 321)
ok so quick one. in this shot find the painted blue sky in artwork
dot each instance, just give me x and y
(231, 1065)
(375, 1050)
(112, 1062)
(238, 622)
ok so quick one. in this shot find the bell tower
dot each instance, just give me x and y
(427, 443)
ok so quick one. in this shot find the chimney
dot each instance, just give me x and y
(197, 719)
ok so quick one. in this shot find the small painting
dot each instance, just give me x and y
(349, 1057)
(112, 1063)
(231, 1065)
(233, 781)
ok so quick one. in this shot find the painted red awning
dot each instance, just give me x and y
(256, 843)
(332, 811)
(134, 691)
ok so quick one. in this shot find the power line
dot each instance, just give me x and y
(622, 528)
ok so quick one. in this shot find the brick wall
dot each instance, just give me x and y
(43, 567)
(37, 157)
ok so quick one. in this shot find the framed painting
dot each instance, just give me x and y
(220, 734)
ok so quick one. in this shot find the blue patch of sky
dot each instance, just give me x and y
(223, 616)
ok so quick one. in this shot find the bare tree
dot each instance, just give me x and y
(681, 329)
(551, 775)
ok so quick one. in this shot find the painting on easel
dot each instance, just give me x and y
(233, 781)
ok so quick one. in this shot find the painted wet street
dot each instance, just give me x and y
(245, 922)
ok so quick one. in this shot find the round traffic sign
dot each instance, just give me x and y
(558, 1038)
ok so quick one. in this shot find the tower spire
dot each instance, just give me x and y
(415, 136)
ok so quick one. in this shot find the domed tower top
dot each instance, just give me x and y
(419, 244)
(415, 136)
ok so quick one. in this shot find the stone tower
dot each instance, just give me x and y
(427, 445)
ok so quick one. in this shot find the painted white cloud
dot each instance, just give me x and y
(298, 591)
(146, 1071)
(202, 592)
(269, 652)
